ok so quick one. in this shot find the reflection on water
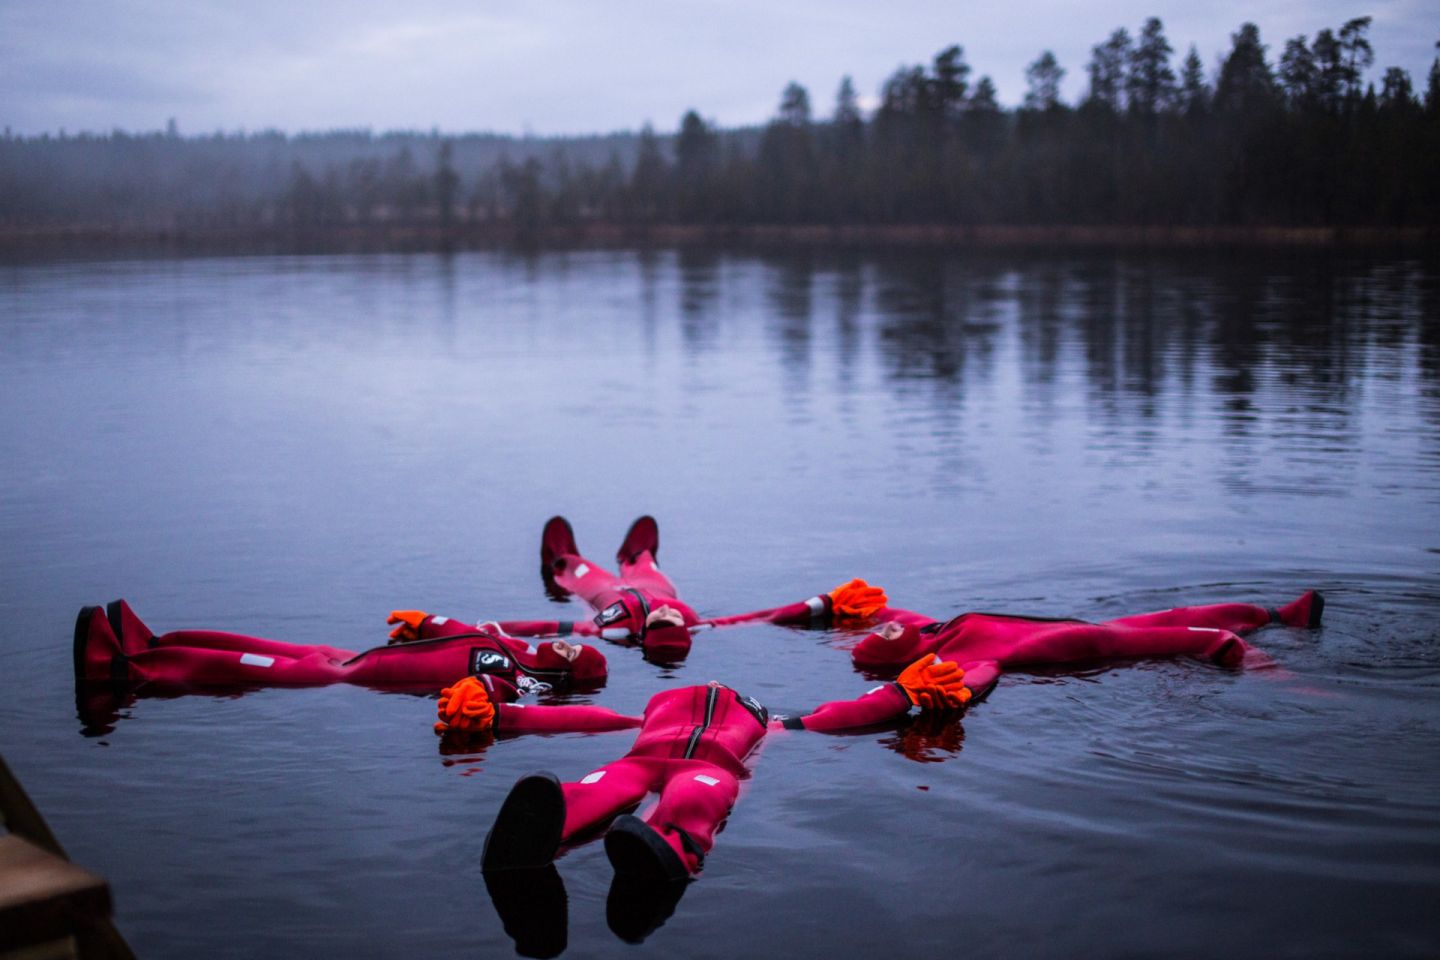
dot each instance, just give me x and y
(293, 446)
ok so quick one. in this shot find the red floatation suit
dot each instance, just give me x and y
(116, 645)
(983, 644)
(626, 604)
(622, 603)
(692, 749)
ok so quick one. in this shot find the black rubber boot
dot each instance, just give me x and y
(636, 850)
(527, 829)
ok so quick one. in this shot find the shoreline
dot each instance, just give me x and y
(385, 237)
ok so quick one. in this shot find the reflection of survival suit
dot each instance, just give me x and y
(639, 607)
(112, 644)
(984, 643)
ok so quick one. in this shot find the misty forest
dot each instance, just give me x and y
(1290, 136)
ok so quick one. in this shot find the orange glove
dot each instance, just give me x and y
(465, 707)
(934, 684)
(857, 600)
(409, 621)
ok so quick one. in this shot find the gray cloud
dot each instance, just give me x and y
(565, 65)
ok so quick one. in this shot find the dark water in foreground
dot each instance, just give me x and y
(293, 446)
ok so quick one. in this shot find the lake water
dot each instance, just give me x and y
(292, 446)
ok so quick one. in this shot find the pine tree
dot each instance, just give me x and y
(1246, 85)
(1359, 55)
(950, 82)
(1107, 69)
(1195, 93)
(1151, 84)
(1043, 78)
(794, 106)
(847, 105)
(1297, 72)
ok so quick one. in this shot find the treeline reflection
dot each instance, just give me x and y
(1316, 331)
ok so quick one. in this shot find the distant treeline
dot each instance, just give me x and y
(1299, 140)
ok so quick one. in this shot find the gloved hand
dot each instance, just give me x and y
(410, 621)
(857, 600)
(934, 684)
(465, 707)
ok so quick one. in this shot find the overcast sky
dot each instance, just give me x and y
(569, 66)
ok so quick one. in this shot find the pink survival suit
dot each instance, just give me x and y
(623, 604)
(985, 643)
(112, 644)
(692, 750)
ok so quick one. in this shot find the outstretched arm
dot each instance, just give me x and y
(419, 625)
(929, 683)
(855, 602)
(469, 707)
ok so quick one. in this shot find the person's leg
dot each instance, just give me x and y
(193, 657)
(1304, 611)
(642, 537)
(240, 643)
(643, 573)
(563, 566)
(1079, 642)
(637, 558)
(598, 796)
(584, 578)
(281, 665)
(540, 813)
(672, 841)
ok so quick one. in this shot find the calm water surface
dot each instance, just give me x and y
(293, 446)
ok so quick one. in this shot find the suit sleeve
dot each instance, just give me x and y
(885, 702)
(520, 718)
(437, 627)
(817, 612)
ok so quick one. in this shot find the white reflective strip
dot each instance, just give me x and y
(875, 689)
(593, 777)
(1204, 629)
(581, 570)
(439, 621)
(817, 606)
(255, 660)
(708, 781)
(615, 633)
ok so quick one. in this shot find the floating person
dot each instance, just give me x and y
(640, 607)
(984, 644)
(692, 750)
(693, 743)
(113, 646)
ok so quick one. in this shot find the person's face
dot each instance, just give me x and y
(890, 630)
(580, 662)
(665, 616)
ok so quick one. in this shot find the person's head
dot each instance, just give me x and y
(661, 632)
(579, 662)
(891, 645)
(553, 662)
